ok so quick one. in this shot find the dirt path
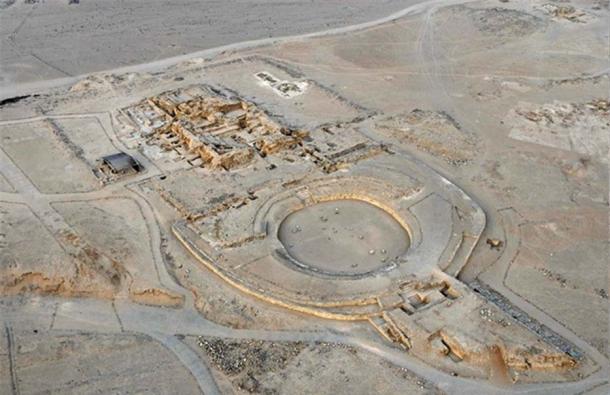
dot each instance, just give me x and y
(164, 324)
(13, 89)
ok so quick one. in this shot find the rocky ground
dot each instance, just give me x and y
(277, 368)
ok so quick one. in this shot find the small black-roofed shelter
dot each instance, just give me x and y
(121, 163)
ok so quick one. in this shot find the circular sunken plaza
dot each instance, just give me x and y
(345, 237)
(334, 245)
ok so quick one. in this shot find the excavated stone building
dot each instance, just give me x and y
(211, 132)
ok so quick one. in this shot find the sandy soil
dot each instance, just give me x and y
(51, 39)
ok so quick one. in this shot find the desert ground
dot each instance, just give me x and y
(50, 39)
(332, 197)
